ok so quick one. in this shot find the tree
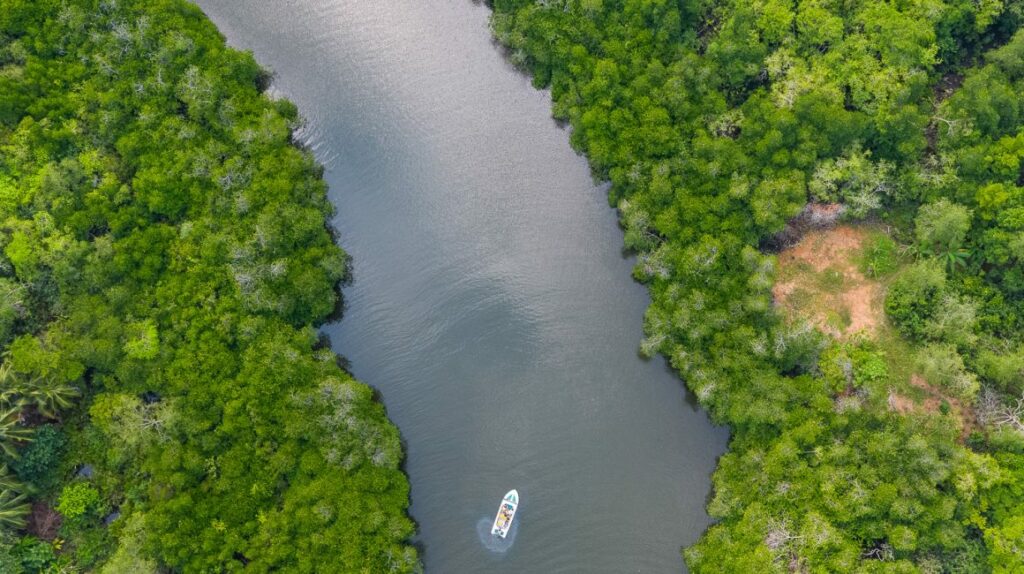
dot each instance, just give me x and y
(768, 101)
(855, 180)
(39, 463)
(12, 431)
(13, 510)
(914, 296)
(941, 228)
(955, 321)
(1007, 548)
(942, 365)
(45, 394)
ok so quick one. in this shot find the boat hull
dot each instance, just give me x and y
(506, 514)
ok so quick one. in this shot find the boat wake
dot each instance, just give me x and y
(493, 542)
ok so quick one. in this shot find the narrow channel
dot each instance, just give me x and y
(492, 305)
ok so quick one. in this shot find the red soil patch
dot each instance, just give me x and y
(934, 398)
(855, 298)
(825, 248)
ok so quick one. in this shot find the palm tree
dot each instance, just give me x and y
(43, 393)
(47, 396)
(14, 504)
(13, 509)
(8, 480)
(11, 430)
(8, 383)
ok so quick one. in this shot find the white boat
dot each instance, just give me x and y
(506, 513)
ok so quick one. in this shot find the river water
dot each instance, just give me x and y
(491, 304)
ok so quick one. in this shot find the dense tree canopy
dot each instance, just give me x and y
(163, 260)
(716, 121)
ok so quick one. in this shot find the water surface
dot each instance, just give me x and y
(492, 306)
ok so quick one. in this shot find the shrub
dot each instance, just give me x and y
(40, 461)
(78, 501)
(942, 226)
(35, 554)
(914, 296)
(955, 320)
(942, 365)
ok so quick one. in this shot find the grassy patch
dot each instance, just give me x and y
(879, 256)
(839, 318)
(901, 357)
(831, 279)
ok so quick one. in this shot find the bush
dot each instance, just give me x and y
(1006, 371)
(914, 296)
(942, 226)
(35, 554)
(26, 556)
(942, 365)
(79, 501)
(40, 461)
(955, 321)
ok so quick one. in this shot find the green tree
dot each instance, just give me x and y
(941, 228)
(14, 508)
(1007, 551)
(914, 296)
(942, 365)
(12, 431)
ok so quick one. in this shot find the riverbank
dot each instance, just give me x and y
(169, 244)
(715, 124)
(491, 304)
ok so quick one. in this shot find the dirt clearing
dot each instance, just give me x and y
(819, 279)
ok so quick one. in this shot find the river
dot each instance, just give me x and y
(492, 306)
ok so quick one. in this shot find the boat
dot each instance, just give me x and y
(506, 513)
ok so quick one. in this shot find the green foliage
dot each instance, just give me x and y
(130, 558)
(1004, 369)
(1006, 500)
(40, 460)
(941, 229)
(942, 365)
(45, 394)
(1004, 542)
(942, 226)
(13, 509)
(955, 320)
(143, 341)
(12, 308)
(854, 180)
(858, 366)
(79, 500)
(165, 257)
(26, 556)
(715, 121)
(914, 296)
(879, 256)
(12, 431)
(35, 555)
